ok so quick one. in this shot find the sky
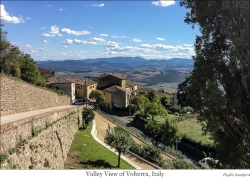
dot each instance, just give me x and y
(65, 30)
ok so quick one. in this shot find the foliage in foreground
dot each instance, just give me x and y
(88, 115)
(15, 63)
(220, 81)
(86, 153)
(118, 139)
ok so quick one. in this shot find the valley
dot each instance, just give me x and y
(155, 74)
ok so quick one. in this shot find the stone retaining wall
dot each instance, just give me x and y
(40, 142)
(19, 96)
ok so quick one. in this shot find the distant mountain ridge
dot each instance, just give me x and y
(115, 63)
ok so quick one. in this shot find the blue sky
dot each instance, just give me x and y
(59, 30)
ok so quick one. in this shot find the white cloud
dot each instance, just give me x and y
(161, 39)
(48, 5)
(47, 35)
(28, 46)
(136, 40)
(128, 48)
(59, 34)
(103, 35)
(188, 45)
(75, 41)
(77, 33)
(28, 18)
(54, 30)
(43, 28)
(65, 46)
(98, 5)
(96, 39)
(45, 41)
(164, 3)
(33, 51)
(5, 17)
(61, 9)
(157, 46)
(110, 44)
(118, 36)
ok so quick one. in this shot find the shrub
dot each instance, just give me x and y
(188, 109)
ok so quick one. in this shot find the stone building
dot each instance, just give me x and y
(115, 95)
(110, 79)
(83, 87)
(62, 84)
(117, 90)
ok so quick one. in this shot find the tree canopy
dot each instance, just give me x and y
(98, 96)
(220, 81)
(18, 64)
(88, 115)
(118, 139)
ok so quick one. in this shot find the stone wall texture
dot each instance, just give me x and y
(41, 141)
(19, 96)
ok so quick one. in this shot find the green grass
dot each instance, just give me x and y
(193, 131)
(163, 118)
(85, 152)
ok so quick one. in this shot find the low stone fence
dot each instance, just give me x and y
(20, 96)
(41, 141)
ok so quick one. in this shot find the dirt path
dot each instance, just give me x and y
(101, 127)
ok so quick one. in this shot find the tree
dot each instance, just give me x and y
(170, 133)
(220, 81)
(120, 140)
(154, 130)
(15, 63)
(155, 109)
(98, 96)
(139, 101)
(165, 101)
(182, 93)
(88, 115)
(153, 96)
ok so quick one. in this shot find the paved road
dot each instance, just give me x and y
(15, 117)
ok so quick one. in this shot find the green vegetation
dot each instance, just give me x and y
(15, 63)
(98, 96)
(148, 152)
(118, 139)
(90, 154)
(193, 131)
(220, 81)
(88, 115)
(167, 132)
(179, 164)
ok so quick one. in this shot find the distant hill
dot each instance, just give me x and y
(115, 64)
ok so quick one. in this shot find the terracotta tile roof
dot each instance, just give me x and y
(113, 74)
(114, 88)
(53, 80)
(81, 81)
(169, 96)
(144, 89)
(130, 83)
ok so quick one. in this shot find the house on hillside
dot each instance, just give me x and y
(62, 84)
(46, 72)
(131, 88)
(144, 90)
(117, 90)
(83, 87)
(110, 79)
(115, 95)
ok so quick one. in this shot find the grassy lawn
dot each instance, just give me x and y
(193, 130)
(85, 153)
(163, 118)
